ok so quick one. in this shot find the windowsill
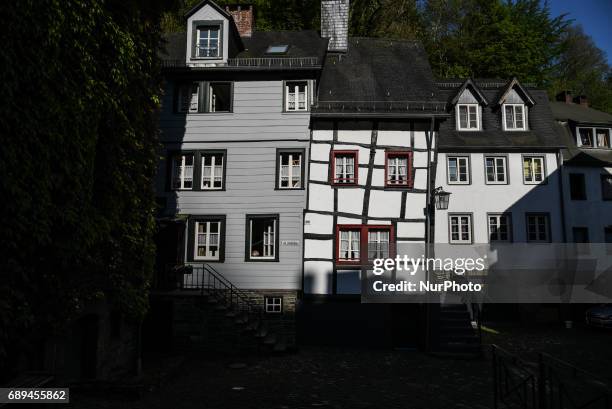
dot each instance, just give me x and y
(496, 183)
(399, 187)
(260, 260)
(535, 183)
(459, 183)
(296, 112)
(516, 130)
(204, 113)
(464, 243)
(469, 130)
(288, 188)
(347, 185)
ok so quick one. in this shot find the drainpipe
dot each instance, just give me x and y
(562, 194)
(428, 232)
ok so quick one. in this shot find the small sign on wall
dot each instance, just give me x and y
(290, 243)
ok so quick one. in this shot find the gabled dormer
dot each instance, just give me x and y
(468, 104)
(514, 102)
(211, 35)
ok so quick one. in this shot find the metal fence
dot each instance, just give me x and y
(551, 384)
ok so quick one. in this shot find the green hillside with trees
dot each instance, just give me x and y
(463, 38)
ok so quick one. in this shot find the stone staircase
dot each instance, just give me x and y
(454, 335)
(214, 315)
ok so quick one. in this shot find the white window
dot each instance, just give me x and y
(378, 244)
(349, 245)
(290, 170)
(207, 239)
(514, 117)
(212, 171)
(499, 227)
(273, 305)
(533, 169)
(345, 170)
(296, 96)
(495, 168)
(538, 228)
(208, 42)
(460, 228)
(182, 172)
(458, 168)
(188, 98)
(262, 237)
(593, 137)
(468, 118)
(398, 168)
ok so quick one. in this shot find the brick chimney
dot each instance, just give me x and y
(334, 24)
(582, 100)
(564, 96)
(243, 17)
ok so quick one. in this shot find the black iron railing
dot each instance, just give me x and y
(551, 384)
(514, 386)
(254, 62)
(379, 106)
(205, 279)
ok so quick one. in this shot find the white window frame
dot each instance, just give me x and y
(269, 240)
(344, 177)
(497, 225)
(273, 304)
(214, 169)
(351, 240)
(514, 108)
(468, 117)
(292, 88)
(467, 166)
(393, 169)
(203, 28)
(546, 218)
(207, 234)
(532, 169)
(460, 223)
(182, 167)
(496, 180)
(594, 139)
(291, 177)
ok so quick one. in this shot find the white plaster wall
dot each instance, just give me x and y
(415, 203)
(394, 138)
(348, 220)
(593, 213)
(350, 200)
(385, 203)
(411, 229)
(320, 197)
(318, 249)
(322, 135)
(355, 136)
(516, 197)
(319, 172)
(318, 223)
(320, 151)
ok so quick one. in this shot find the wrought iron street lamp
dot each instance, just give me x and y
(442, 197)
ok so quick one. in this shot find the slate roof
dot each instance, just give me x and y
(377, 77)
(572, 114)
(540, 134)
(305, 43)
(578, 113)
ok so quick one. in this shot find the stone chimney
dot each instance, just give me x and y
(582, 100)
(243, 17)
(565, 96)
(334, 24)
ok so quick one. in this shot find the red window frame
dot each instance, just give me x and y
(334, 180)
(409, 179)
(363, 242)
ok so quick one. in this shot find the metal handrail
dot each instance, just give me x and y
(259, 62)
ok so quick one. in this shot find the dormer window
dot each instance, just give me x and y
(593, 137)
(468, 117)
(514, 117)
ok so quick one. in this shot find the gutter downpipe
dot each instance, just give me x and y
(428, 233)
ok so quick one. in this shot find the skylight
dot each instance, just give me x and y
(277, 49)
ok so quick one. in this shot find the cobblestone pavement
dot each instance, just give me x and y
(322, 378)
(319, 377)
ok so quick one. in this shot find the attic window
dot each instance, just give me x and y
(277, 49)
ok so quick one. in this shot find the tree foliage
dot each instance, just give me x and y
(463, 38)
(79, 140)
